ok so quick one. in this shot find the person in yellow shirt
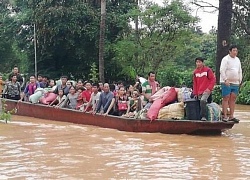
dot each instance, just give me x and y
(2, 83)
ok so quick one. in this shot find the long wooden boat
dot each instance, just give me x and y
(168, 126)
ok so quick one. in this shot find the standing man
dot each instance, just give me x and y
(203, 84)
(15, 72)
(230, 79)
(149, 88)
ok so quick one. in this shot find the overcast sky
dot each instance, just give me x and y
(207, 19)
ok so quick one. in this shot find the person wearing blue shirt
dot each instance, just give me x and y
(105, 100)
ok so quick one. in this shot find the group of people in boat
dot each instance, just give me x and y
(118, 99)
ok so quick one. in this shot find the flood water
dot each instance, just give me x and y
(39, 149)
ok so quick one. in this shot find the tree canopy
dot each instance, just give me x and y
(137, 39)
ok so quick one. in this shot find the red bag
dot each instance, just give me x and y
(122, 105)
(169, 96)
(154, 109)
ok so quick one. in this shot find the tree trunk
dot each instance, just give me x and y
(224, 33)
(137, 33)
(137, 21)
(101, 41)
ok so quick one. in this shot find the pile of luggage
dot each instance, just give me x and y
(176, 103)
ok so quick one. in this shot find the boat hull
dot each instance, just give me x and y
(120, 123)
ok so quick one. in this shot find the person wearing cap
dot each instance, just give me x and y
(203, 84)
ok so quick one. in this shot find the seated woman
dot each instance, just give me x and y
(71, 100)
(129, 90)
(49, 96)
(119, 104)
(52, 86)
(58, 102)
(81, 84)
(135, 103)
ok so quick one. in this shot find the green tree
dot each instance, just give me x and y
(160, 37)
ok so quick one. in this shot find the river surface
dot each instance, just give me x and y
(33, 148)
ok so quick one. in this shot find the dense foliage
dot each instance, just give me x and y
(138, 39)
(244, 97)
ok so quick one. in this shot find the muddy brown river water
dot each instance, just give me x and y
(40, 149)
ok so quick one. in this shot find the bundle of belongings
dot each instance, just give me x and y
(173, 103)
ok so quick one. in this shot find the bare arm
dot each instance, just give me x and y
(64, 102)
(110, 107)
(128, 105)
(22, 96)
(52, 102)
(88, 105)
(147, 96)
(5, 90)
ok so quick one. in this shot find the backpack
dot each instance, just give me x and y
(183, 94)
(214, 112)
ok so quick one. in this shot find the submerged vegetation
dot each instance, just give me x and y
(5, 115)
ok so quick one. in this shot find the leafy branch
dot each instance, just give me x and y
(5, 115)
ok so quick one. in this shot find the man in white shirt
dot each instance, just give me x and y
(230, 79)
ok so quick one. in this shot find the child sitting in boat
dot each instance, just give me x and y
(58, 102)
(135, 104)
(71, 100)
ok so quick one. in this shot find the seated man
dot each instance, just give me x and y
(149, 88)
(63, 86)
(12, 89)
(94, 99)
(105, 99)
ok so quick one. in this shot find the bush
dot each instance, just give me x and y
(217, 98)
(175, 77)
(244, 96)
